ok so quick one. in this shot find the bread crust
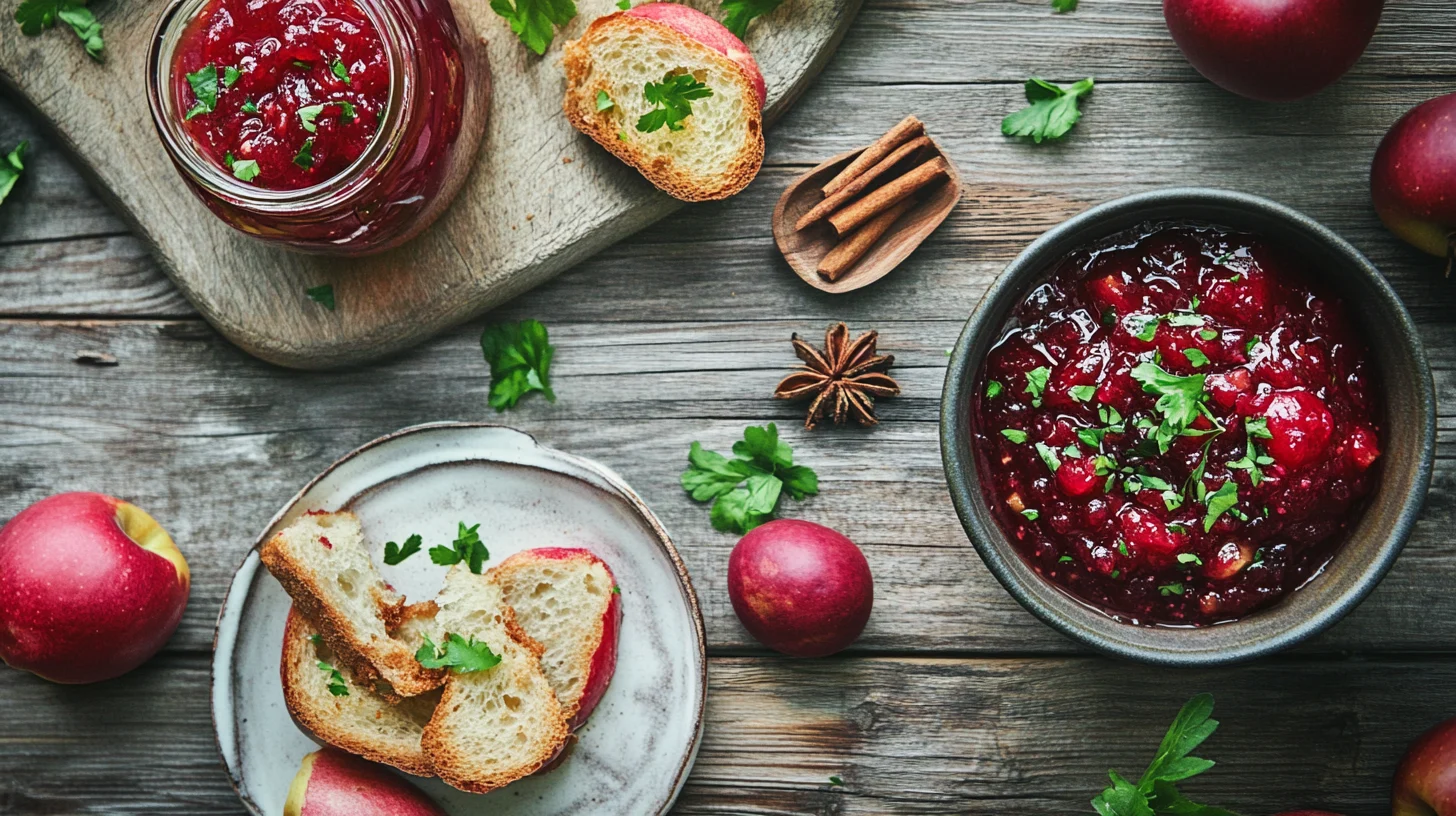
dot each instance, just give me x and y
(581, 112)
(412, 679)
(321, 726)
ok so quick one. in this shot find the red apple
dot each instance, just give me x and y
(1272, 50)
(1413, 178)
(333, 783)
(800, 587)
(90, 588)
(1425, 782)
(709, 32)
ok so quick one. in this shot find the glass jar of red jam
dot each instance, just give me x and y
(333, 126)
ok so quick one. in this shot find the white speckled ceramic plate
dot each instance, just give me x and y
(632, 755)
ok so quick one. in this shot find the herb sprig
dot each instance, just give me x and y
(11, 166)
(672, 99)
(467, 547)
(535, 21)
(395, 553)
(745, 490)
(337, 686)
(737, 14)
(1156, 792)
(35, 16)
(1052, 113)
(520, 356)
(460, 655)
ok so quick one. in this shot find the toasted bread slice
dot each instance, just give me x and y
(494, 726)
(720, 147)
(322, 562)
(565, 599)
(360, 721)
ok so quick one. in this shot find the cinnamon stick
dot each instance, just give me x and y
(859, 183)
(851, 249)
(888, 196)
(908, 128)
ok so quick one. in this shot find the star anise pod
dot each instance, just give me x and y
(843, 380)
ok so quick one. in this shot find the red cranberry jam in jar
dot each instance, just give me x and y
(336, 126)
(1178, 426)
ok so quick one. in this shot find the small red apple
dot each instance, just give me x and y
(90, 588)
(1425, 782)
(1413, 178)
(333, 783)
(709, 32)
(800, 587)
(1272, 50)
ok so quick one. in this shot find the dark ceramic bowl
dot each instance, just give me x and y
(1409, 434)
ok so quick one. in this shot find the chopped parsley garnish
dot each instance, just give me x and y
(394, 553)
(737, 14)
(467, 547)
(340, 70)
(460, 655)
(1031, 515)
(1254, 428)
(1190, 558)
(604, 102)
(1048, 456)
(308, 114)
(249, 106)
(1156, 791)
(993, 389)
(672, 101)
(1180, 400)
(337, 686)
(1064, 6)
(535, 21)
(624, 4)
(1170, 589)
(316, 639)
(836, 781)
(245, 170)
(1195, 357)
(11, 166)
(519, 355)
(1066, 559)
(1083, 393)
(204, 88)
(745, 490)
(304, 157)
(35, 16)
(322, 295)
(1253, 341)
(1016, 436)
(1147, 325)
(1052, 112)
(1036, 383)
(1208, 334)
(1219, 502)
(230, 74)
(616, 590)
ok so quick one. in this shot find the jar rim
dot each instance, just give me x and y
(186, 154)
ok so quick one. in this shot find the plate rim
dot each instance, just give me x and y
(223, 662)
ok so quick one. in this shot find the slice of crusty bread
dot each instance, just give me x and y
(360, 722)
(564, 600)
(495, 726)
(719, 149)
(322, 562)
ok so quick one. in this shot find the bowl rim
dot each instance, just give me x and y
(990, 542)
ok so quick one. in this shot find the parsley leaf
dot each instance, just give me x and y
(249, 106)
(322, 295)
(738, 14)
(307, 114)
(460, 655)
(467, 547)
(520, 357)
(35, 16)
(1048, 456)
(672, 99)
(534, 21)
(1195, 357)
(745, 490)
(1036, 383)
(1155, 794)
(245, 170)
(1220, 502)
(394, 553)
(624, 4)
(1052, 112)
(604, 102)
(204, 87)
(341, 71)
(1017, 437)
(1064, 6)
(11, 166)
(993, 389)
(337, 686)
(1170, 589)
(1180, 400)
(304, 157)
(1083, 393)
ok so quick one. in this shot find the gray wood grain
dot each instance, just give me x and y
(992, 737)
(523, 215)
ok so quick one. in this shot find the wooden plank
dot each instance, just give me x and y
(907, 736)
(213, 442)
(500, 238)
(723, 263)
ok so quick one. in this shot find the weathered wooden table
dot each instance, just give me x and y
(955, 700)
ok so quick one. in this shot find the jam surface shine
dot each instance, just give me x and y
(309, 83)
(1179, 426)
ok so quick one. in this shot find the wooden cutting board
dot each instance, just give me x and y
(524, 215)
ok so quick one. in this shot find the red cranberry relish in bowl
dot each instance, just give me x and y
(1189, 427)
